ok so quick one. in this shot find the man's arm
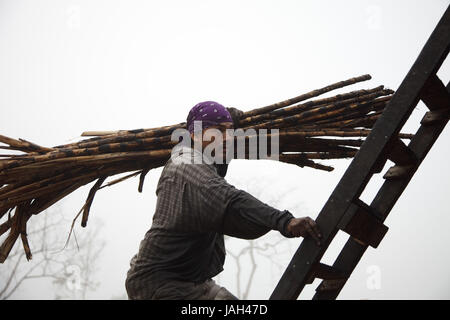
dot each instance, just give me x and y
(219, 206)
(249, 218)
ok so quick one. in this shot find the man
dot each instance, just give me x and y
(196, 207)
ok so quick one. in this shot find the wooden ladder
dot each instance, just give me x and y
(344, 210)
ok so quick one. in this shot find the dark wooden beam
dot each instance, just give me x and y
(387, 196)
(361, 168)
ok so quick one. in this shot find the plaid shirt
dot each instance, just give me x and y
(195, 208)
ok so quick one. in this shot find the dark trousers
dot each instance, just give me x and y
(178, 290)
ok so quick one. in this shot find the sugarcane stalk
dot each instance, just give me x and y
(26, 246)
(58, 158)
(120, 179)
(14, 189)
(352, 123)
(8, 243)
(42, 203)
(331, 112)
(288, 132)
(321, 141)
(19, 218)
(23, 235)
(125, 135)
(5, 226)
(33, 181)
(307, 117)
(90, 199)
(98, 133)
(22, 145)
(142, 178)
(320, 155)
(306, 96)
(355, 96)
(81, 179)
(358, 114)
(314, 148)
(137, 145)
(301, 161)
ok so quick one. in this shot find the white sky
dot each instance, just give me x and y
(73, 66)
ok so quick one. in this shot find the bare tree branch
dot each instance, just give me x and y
(47, 264)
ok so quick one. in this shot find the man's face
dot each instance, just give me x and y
(222, 127)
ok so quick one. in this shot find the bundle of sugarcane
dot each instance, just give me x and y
(34, 181)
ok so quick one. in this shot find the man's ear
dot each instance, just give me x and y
(236, 115)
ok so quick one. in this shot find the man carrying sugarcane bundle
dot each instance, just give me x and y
(184, 248)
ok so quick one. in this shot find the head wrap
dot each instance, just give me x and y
(210, 113)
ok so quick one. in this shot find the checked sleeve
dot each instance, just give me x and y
(220, 207)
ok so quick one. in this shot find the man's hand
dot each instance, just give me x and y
(304, 227)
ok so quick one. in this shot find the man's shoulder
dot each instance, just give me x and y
(189, 170)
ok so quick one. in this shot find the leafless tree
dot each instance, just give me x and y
(70, 269)
(267, 248)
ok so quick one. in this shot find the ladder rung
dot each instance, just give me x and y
(434, 94)
(331, 285)
(363, 224)
(398, 172)
(326, 272)
(432, 117)
(398, 152)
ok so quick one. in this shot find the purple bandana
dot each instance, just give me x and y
(210, 113)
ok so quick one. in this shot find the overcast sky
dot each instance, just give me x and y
(73, 66)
